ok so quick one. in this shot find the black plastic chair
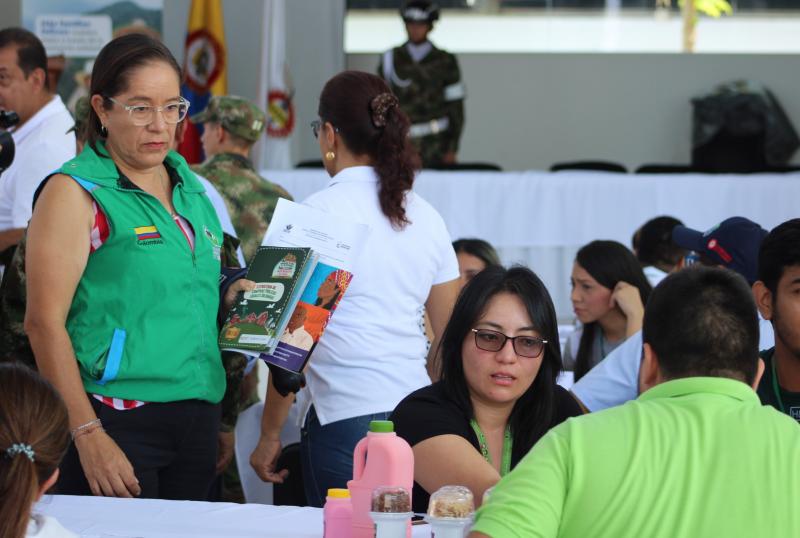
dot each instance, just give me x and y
(310, 164)
(667, 169)
(291, 492)
(489, 167)
(599, 166)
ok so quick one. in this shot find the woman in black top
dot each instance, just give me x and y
(497, 395)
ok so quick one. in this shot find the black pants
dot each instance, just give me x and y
(172, 447)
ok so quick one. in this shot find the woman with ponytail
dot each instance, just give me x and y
(34, 435)
(373, 353)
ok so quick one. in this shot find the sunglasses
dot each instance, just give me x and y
(524, 346)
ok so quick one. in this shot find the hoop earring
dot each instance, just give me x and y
(330, 156)
(103, 130)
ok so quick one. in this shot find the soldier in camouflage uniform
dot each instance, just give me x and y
(231, 126)
(427, 81)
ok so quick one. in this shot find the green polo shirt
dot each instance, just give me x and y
(696, 457)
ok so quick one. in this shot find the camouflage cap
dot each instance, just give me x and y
(81, 116)
(237, 115)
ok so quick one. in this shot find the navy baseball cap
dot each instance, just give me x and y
(733, 243)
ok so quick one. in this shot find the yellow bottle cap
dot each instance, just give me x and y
(339, 493)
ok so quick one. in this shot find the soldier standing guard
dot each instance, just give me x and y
(427, 81)
(231, 126)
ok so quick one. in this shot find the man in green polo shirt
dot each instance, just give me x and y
(696, 455)
(777, 294)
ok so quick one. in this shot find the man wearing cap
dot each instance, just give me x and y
(427, 81)
(231, 126)
(733, 244)
(42, 140)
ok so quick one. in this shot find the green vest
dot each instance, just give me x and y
(143, 318)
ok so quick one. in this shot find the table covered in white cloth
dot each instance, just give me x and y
(540, 219)
(96, 517)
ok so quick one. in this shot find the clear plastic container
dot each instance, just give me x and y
(391, 511)
(450, 511)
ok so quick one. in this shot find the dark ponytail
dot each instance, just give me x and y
(34, 435)
(367, 116)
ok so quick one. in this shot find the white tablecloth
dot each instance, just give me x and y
(540, 219)
(96, 517)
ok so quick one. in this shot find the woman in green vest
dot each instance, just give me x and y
(123, 269)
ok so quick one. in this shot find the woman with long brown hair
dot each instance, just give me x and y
(373, 353)
(34, 435)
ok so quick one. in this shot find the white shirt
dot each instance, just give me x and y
(222, 213)
(373, 353)
(299, 338)
(654, 275)
(42, 146)
(616, 379)
(47, 527)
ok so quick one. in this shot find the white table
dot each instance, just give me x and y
(541, 219)
(96, 517)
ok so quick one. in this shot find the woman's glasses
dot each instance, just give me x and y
(316, 127)
(524, 346)
(141, 115)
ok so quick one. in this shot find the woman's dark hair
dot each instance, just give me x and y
(535, 409)
(479, 248)
(609, 263)
(112, 70)
(34, 435)
(367, 116)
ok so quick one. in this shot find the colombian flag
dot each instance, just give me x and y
(205, 68)
(146, 232)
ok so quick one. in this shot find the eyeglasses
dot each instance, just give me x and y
(524, 346)
(141, 115)
(316, 127)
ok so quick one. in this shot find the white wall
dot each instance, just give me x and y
(527, 111)
(314, 52)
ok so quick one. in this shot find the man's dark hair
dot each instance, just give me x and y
(779, 250)
(702, 321)
(655, 246)
(30, 51)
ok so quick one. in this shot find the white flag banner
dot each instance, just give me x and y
(275, 91)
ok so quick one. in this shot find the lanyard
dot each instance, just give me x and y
(505, 464)
(775, 386)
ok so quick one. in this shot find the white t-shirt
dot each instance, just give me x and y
(47, 527)
(616, 379)
(222, 213)
(373, 353)
(42, 146)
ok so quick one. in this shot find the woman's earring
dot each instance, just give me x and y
(103, 130)
(330, 156)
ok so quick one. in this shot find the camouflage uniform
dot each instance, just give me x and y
(428, 90)
(250, 199)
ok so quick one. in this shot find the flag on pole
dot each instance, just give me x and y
(275, 91)
(205, 68)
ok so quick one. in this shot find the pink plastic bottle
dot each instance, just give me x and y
(380, 459)
(337, 514)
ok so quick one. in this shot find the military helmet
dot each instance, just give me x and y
(235, 114)
(419, 11)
